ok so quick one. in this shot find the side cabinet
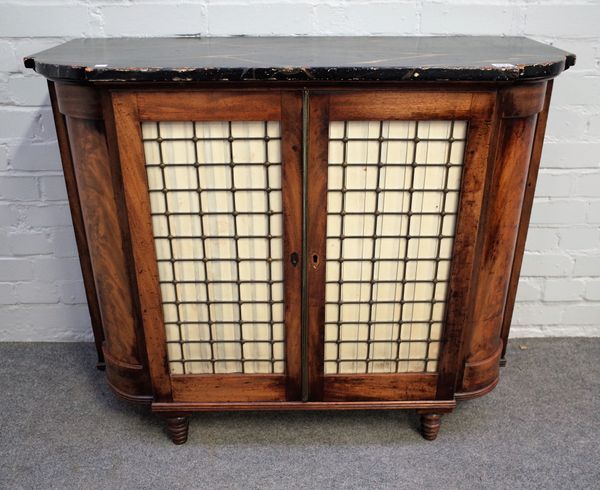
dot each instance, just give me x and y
(300, 245)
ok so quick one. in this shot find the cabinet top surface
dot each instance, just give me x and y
(307, 59)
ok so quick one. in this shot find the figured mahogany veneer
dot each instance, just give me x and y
(99, 109)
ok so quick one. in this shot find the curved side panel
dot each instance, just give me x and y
(126, 369)
(481, 376)
(518, 111)
(78, 226)
(534, 167)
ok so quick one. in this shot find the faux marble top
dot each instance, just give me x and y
(460, 58)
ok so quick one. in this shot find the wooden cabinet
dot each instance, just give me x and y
(300, 223)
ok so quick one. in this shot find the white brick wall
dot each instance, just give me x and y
(41, 293)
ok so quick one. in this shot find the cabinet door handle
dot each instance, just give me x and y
(294, 259)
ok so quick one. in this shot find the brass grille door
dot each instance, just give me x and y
(221, 208)
(381, 253)
(392, 202)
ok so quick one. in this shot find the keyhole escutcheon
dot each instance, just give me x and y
(294, 258)
(315, 261)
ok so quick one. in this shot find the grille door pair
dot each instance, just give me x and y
(297, 248)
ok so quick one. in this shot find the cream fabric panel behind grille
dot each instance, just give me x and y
(215, 197)
(393, 192)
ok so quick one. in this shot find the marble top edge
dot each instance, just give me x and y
(305, 58)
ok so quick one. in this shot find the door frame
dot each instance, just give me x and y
(131, 108)
(478, 108)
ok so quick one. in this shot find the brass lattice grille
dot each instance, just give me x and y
(215, 197)
(393, 192)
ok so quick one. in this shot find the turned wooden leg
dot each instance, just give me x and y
(430, 425)
(177, 428)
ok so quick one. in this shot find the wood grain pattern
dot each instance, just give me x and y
(469, 395)
(478, 109)
(438, 406)
(99, 207)
(534, 167)
(104, 162)
(504, 199)
(209, 106)
(464, 248)
(373, 387)
(78, 225)
(119, 193)
(228, 387)
(364, 105)
(79, 101)
(131, 156)
(523, 100)
(291, 187)
(477, 374)
(318, 130)
(127, 107)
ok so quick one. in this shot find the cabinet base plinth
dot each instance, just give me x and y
(430, 406)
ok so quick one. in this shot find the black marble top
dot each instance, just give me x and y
(482, 58)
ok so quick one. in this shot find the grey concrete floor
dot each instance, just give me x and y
(61, 427)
